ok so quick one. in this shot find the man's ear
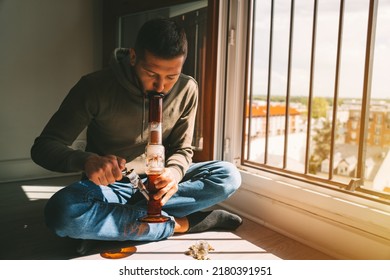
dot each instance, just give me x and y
(132, 57)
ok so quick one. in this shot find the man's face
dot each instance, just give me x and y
(157, 74)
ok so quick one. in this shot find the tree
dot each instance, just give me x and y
(322, 140)
(319, 107)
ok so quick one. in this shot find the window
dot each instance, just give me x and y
(354, 125)
(322, 65)
(379, 118)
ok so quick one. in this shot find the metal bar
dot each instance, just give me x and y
(248, 105)
(370, 46)
(336, 88)
(269, 81)
(309, 102)
(287, 118)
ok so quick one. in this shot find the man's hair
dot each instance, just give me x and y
(164, 38)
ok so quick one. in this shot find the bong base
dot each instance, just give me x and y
(154, 219)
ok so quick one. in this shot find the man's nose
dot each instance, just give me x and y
(158, 85)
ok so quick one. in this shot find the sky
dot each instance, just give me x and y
(353, 48)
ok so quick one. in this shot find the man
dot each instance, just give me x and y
(112, 104)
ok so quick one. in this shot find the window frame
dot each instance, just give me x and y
(354, 186)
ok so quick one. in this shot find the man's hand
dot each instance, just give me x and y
(104, 170)
(167, 186)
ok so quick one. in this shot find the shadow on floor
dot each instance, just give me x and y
(23, 234)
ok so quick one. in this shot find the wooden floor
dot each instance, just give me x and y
(23, 235)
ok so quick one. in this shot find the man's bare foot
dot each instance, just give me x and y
(181, 225)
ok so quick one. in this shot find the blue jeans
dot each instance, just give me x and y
(85, 210)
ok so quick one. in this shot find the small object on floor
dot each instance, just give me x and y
(108, 250)
(200, 250)
(119, 253)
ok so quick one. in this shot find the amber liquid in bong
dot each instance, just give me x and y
(154, 205)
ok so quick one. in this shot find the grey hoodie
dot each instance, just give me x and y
(114, 110)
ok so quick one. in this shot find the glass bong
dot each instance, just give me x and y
(155, 159)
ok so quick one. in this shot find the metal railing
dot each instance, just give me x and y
(356, 184)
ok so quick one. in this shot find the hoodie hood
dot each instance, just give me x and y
(120, 64)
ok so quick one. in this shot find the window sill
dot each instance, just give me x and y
(338, 224)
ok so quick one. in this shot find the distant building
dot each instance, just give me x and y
(378, 133)
(347, 166)
(277, 116)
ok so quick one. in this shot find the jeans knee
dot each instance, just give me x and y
(233, 181)
(54, 215)
(61, 212)
(226, 176)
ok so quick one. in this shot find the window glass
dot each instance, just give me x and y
(305, 104)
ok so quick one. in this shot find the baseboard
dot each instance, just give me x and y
(24, 169)
(339, 236)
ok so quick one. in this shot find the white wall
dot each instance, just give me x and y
(45, 47)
